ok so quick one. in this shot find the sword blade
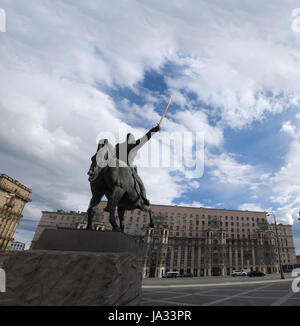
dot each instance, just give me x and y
(165, 111)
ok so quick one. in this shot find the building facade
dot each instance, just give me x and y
(16, 246)
(13, 198)
(298, 261)
(202, 241)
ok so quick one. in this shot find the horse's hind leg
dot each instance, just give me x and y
(90, 212)
(113, 202)
(121, 212)
(148, 209)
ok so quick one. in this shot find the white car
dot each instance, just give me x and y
(240, 272)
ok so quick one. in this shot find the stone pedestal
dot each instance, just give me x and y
(59, 272)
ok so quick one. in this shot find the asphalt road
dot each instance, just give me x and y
(269, 291)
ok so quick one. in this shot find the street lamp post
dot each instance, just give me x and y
(278, 246)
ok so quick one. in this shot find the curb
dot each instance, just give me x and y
(212, 284)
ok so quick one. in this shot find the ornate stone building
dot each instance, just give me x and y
(13, 198)
(202, 241)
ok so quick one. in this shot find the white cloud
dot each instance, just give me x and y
(226, 169)
(286, 181)
(192, 204)
(288, 128)
(195, 120)
(251, 207)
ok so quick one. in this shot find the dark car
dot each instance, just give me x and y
(256, 273)
(187, 275)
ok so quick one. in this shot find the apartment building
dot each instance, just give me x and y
(13, 198)
(198, 240)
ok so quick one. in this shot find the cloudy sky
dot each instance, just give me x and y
(70, 70)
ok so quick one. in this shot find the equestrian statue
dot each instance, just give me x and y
(113, 174)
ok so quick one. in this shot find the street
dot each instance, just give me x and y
(268, 291)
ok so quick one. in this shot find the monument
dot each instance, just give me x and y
(87, 267)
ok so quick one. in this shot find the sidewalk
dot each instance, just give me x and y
(211, 281)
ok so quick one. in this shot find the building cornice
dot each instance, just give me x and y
(16, 182)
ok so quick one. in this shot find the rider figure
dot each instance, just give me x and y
(127, 152)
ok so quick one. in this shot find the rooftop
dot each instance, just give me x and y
(16, 182)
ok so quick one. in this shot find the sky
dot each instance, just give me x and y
(71, 70)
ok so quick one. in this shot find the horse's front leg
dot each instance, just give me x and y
(90, 211)
(113, 202)
(121, 212)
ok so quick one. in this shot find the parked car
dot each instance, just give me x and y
(240, 272)
(187, 275)
(171, 275)
(256, 273)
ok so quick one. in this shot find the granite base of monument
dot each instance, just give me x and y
(75, 268)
